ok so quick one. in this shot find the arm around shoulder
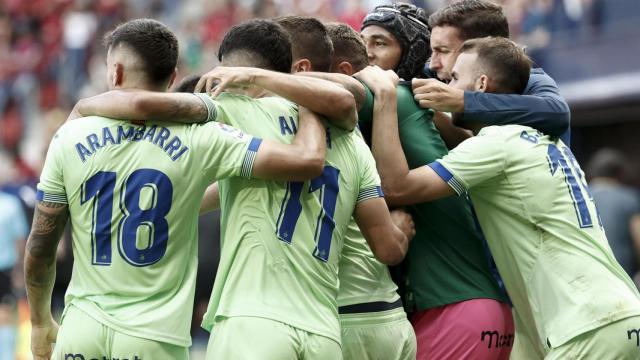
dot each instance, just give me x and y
(540, 106)
(144, 105)
(299, 161)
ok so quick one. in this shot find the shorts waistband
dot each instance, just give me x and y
(375, 306)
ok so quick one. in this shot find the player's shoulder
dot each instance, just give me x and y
(517, 138)
(223, 129)
(277, 102)
(88, 121)
(505, 131)
(80, 125)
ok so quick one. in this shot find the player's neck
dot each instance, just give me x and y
(140, 86)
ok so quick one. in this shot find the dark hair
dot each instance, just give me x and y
(408, 24)
(347, 46)
(608, 163)
(153, 42)
(473, 19)
(309, 40)
(266, 42)
(503, 60)
(187, 84)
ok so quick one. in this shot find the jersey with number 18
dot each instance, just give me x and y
(133, 194)
(543, 230)
(281, 241)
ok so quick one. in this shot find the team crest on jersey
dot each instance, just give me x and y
(231, 130)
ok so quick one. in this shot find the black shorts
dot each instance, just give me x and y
(6, 287)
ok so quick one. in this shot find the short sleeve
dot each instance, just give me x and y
(51, 185)
(224, 151)
(473, 162)
(370, 186)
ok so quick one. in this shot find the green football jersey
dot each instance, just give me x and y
(446, 262)
(281, 241)
(133, 194)
(543, 231)
(363, 278)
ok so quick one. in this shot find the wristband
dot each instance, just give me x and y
(212, 110)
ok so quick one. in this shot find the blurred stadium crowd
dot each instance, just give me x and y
(51, 55)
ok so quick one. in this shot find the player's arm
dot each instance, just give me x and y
(401, 185)
(541, 106)
(352, 85)
(451, 134)
(136, 104)
(211, 199)
(387, 234)
(301, 160)
(40, 271)
(321, 96)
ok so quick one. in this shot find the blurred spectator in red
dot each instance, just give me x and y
(20, 54)
(352, 14)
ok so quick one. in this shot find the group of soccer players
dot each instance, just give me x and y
(297, 164)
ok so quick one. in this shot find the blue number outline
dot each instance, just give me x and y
(291, 209)
(130, 192)
(557, 158)
(100, 187)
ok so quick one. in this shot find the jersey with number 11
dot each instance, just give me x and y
(542, 227)
(281, 241)
(133, 194)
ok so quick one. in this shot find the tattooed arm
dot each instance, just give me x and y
(49, 221)
(143, 105)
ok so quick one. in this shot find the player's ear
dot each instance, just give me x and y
(118, 75)
(482, 83)
(344, 67)
(173, 78)
(301, 65)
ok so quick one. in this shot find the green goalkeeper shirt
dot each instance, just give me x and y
(446, 262)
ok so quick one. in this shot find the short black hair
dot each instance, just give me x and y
(347, 46)
(187, 84)
(153, 42)
(266, 41)
(473, 19)
(309, 40)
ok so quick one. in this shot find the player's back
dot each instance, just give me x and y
(544, 232)
(133, 194)
(282, 240)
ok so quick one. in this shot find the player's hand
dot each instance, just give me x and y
(221, 78)
(404, 222)
(42, 338)
(378, 80)
(436, 95)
